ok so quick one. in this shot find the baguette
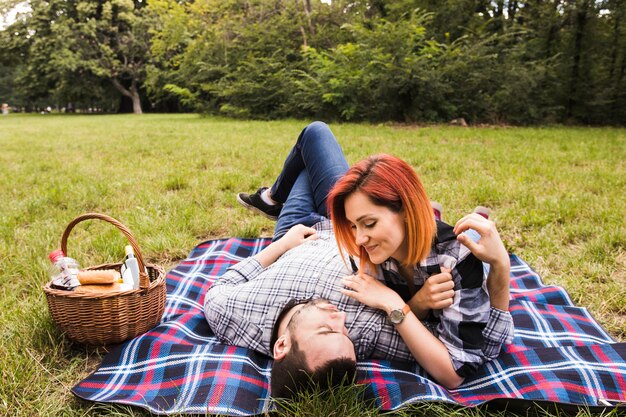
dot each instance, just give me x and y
(98, 276)
(100, 288)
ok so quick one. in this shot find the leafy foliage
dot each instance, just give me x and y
(76, 51)
(519, 62)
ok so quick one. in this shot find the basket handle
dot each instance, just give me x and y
(144, 280)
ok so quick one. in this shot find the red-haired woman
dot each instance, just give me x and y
(426, 275)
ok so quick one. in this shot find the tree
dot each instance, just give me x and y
(502, 61)
(112, 43)
(83, 43)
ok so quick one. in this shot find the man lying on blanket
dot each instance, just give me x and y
(286, 302)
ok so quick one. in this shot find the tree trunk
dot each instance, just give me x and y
(304, 41)
(512, 11)
(615, 43)
(498, 16)
(132, 93)
(580, 22)
(307, 12)
(136, 99)
(499, 8)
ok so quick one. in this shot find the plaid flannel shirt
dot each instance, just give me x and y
(243, 306)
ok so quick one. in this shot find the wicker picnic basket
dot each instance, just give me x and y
(109, 317)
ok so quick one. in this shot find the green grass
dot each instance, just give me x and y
(557, 195)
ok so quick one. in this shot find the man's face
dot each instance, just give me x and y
(320, 330)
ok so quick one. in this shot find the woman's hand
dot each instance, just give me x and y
(491, 250)
(371, 292)
(489, 247)
(427, 350)
(436, 293)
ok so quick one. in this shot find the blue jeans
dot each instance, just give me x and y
(312, 167)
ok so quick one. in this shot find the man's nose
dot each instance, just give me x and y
(338, 320)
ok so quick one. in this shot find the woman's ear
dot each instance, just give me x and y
(282, 346)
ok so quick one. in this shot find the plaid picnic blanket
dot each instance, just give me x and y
(560, 354)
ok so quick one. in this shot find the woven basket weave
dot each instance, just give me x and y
(109, 317)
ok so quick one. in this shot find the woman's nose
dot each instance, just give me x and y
(361, 238)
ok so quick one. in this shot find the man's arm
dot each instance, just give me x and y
(228, 298)
(297, 235)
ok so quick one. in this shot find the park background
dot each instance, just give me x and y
(387, 76)
(513, 62)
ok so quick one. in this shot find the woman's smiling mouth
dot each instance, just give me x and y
(371, 248)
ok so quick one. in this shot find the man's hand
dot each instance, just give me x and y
(297, 235)
(436, 293)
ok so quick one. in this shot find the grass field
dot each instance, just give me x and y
(557, 195)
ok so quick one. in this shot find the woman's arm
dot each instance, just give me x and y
(427, 350)
(491, 250)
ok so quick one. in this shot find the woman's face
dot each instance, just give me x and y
(378, 229)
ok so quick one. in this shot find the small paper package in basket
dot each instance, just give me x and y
(103, 311)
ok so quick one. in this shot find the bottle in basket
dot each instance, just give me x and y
(130, 268)
(65, 271)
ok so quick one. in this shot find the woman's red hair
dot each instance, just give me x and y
(387, 181)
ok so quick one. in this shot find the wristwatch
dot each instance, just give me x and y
(396, 316)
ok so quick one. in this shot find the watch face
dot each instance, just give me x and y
(396, 316)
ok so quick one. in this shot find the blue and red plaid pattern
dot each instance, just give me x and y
(559, 354)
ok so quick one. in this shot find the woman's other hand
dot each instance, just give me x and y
(436, 293)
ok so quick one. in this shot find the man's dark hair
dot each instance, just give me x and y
(291, 375)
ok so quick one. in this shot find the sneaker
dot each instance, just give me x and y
(437, 209)
(255, 203)
(483, 211)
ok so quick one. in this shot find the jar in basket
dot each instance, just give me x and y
(64, 271)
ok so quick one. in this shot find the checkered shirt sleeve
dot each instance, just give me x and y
(227, 316)
(498, 331)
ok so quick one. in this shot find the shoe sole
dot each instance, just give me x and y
(436, 206)
(483, 211)
(255, 209)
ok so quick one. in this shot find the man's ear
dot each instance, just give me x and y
(282, 346)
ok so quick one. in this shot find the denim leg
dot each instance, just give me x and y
(299, 208)
(312, 167)
(318, 153)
